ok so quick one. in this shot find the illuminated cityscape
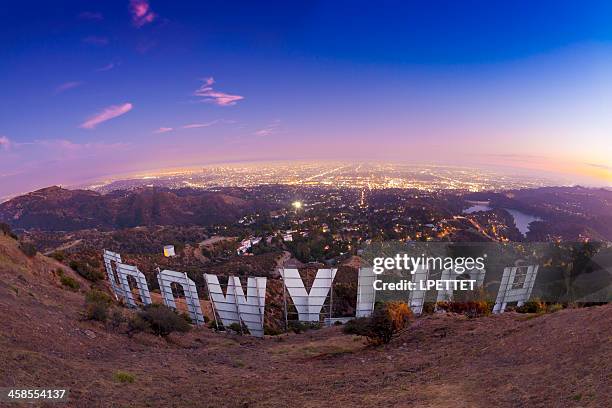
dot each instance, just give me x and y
(372, 176)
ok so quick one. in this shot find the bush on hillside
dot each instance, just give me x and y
(58, 256)
(97, 311)
(386, 321)
(86, 271)
(475, 308)
(28, 249)
(95, 295)
(97, 305)
(69, 282)
(136, 324)
(6, 230)
(163, 320)
(124, 377)
(532, 306)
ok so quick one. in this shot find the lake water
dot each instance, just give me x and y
(521, 220)
(477, 206)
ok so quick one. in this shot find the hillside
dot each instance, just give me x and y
(58, 209)
(560, 359)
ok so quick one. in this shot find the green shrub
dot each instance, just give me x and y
(86, 271)
(70, 282)
(235, 327)
(386, 321)
(28, 249)
(163, 320)
(476, 308)
(359, 326)
(95, 295)
(116, 318)
(97, 305)
(272, 331)
(124, 377)
(97, 311)
(555, 307)
(532, 306)
(298, 327)
(58, 256)
(137, 324)
(6, 230)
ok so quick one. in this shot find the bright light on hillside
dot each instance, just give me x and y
(297, 205)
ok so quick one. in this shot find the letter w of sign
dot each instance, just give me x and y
(235, 306)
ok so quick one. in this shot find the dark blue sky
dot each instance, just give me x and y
(94, 88)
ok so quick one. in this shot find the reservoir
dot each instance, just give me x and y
(521, 220)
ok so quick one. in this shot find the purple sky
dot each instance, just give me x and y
(94, 89)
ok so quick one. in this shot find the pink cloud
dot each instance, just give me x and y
(141, 12)
(268, 130)
(107, 67)
(200, 125)
(5, 143)
(163, 130)
(67, 145)
(207, 92)
(107, 114)
(68, 85)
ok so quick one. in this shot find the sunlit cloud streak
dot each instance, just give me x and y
(141, 13)
(200, 125)
(68, 85)
(268, 130)
(163, 130)
(208, 94)
(107, 67)
(107, 114)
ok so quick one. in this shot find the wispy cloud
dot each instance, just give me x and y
(108, 67)
(96, 40)
(269, 130)
(201, 125)
(208, 94)
(67, 145)
(599, 166)
(163, 130)
(5, 143)
(91, 15)
(68, 85)
(141, 12)
(107, 114)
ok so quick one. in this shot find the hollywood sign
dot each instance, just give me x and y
(236, 306)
